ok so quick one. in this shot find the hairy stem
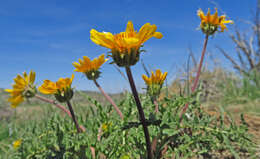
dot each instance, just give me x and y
(198, 74)
(54, 103)
(109, 99)
(73, 117)
(156, 106)
(58, 106)
(141, 112)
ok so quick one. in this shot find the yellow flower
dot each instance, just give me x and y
(90, 68)
(157, 78)
(125, 45)
(23, 88)
(17, 143)
(61, 89)
(105, 126)
(210, 23)
(154, 83)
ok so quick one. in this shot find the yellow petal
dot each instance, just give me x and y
(48, 87)
(130, 27)
(15, 101)
(77, 66)
(102, 39)
(86, 60)
(163, 77)
(215, 18)
(223, 27)
(201, 14)
(228, 21)
(146, 32)
(32, 77)
(72, 77)
(26, 78)
(208, 18)
(158, 35)
(46, 90)
(19, 80)
(8, 90)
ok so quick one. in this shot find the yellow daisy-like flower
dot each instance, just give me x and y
(23, 88)
(157, 78)
(210, 23)
(105, 126)
(125, 45)
(155, 82)
(17, 143)
(90, 68)
(61, 89)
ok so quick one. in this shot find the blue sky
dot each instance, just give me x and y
(48, 35)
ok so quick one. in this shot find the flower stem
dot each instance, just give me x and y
(93, 154)
(198, 73)
(109, 99)
(156, 106)
(54, 103)
(60, 107)
(141, 112)
(73, 116)
(200, 65)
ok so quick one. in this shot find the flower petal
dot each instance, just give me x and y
(158, 35)
(130, 27)
(102, 39)
(31, 77)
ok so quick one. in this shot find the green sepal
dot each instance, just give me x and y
(65, 95)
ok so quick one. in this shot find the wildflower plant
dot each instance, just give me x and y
(155, 82)
(154, 85)
(165, 135)
(125, 51)
(209, 25)
(91, 70)
(63, 93)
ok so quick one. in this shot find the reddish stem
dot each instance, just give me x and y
(92, 149)
(141, 112)
(73, 117)
(82, 128)
(198, 74)
(156, 106)
(54, 103)
(110, 100)
(200, 65)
